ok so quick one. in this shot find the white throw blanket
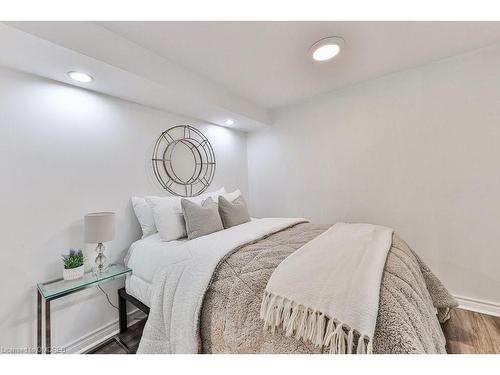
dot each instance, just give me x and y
(179, 289)
(327, 292)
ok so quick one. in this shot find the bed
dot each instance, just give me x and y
(412, 301)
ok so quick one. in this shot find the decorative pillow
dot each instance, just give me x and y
(201, 220)
(233, 195)
(233, 213)
(144, 214)
(168, 217)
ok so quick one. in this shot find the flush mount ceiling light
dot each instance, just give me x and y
(326, 48)
(80, 77)
(229, 122)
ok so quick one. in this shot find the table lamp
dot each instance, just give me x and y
(99, 228)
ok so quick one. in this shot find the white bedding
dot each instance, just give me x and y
(330, 287)
(148, 255)
(179, 286)
(145, 257)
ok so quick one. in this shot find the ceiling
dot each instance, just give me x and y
(267, 62)
(214, 71)
(123, 69)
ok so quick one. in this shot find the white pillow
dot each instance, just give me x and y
(168, 216)
(214, 195)
(144, 214)
(232, 196)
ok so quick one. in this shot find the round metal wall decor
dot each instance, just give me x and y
(183, 161)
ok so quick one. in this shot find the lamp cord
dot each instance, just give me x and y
(107, 297)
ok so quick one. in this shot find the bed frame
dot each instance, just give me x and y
(123, 298)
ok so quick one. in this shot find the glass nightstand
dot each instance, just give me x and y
(59, 288)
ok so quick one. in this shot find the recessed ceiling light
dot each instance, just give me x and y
(326, 48)
(80, 77)
(229, 122)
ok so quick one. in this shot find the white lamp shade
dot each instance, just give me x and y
(99, 227)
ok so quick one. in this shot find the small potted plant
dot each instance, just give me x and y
(73, 264)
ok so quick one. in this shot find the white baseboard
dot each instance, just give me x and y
(484, 307)
(101, 334)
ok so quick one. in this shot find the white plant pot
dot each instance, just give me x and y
(73, 273)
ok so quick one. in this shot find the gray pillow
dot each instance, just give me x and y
(233, 213)
(201, 220)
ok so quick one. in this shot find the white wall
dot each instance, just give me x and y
(418, 151)
(65, 151)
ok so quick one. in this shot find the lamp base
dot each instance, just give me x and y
(100, 261)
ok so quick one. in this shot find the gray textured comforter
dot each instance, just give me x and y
(412, 300)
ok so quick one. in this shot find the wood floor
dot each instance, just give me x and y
(124, 343)
(466, 332)
(469, 332)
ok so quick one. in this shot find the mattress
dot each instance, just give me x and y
(145, 257)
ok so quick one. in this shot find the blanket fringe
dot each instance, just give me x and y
(311, 325)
